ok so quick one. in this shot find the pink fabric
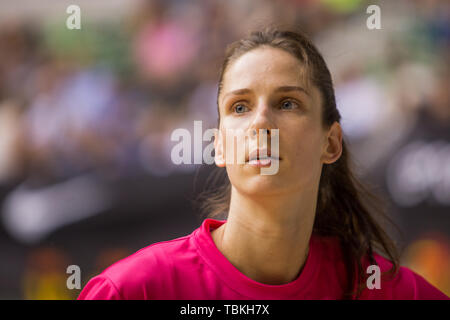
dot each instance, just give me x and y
(191, 267)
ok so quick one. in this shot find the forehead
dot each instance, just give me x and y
(263, 68)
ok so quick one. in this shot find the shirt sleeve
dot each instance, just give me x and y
(100, 288)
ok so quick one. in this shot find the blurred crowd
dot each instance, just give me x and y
(81, 107)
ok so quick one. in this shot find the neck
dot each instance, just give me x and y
(267, 238)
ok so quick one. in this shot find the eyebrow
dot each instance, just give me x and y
(279, 89)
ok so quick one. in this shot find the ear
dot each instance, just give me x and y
(332, 149)
(218, 149)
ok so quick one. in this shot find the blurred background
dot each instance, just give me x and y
(86, 117)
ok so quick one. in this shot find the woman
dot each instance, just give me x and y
(302, 233)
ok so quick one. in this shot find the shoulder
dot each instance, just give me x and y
(131, 277)
(405, 284)
(158, 254)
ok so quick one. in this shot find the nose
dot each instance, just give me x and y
(254, 132)
(262, 121)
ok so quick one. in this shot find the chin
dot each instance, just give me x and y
(260, 185)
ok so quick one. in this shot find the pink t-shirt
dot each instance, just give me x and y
(191, 267)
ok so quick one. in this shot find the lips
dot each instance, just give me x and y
(261, 154)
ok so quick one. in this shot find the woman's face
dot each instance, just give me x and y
(275, 97)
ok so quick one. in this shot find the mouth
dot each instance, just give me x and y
(261, 158)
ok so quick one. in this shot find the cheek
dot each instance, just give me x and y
(234, 122)
(235, 144)
(303, 146)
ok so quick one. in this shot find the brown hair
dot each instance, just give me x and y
(346, 208)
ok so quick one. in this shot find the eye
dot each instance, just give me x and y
(289, 104)
(239, 108)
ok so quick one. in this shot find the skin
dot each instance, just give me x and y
(271, 217)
